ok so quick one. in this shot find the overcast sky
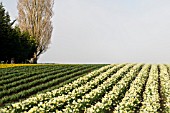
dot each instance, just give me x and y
(107, 31)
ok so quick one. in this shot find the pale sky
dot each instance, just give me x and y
(107, 31)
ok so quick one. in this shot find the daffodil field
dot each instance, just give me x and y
(23, 81)
(89, 88)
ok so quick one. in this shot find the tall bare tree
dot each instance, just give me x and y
(35, 17)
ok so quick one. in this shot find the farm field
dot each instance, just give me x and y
(18, 83)
(115, 88)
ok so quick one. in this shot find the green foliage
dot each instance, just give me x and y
(27, 46)
(21, 82)
(16, 45)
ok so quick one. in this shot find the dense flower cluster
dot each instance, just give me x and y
(133, 96)
(110, 99)
(165, 87)
(151, 97)
(101, 89)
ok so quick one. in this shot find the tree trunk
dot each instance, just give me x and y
(12, 60)
(34, 59)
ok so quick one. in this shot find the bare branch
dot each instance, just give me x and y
(35, 17)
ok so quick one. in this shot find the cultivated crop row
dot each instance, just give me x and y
(37, 81)
(133, 97)
(117, 88)
(165, 88)
(15, 65)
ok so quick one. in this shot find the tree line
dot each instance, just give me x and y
(15, 46)
(25, 42)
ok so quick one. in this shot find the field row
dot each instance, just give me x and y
(117, 88)
(21, 82)
(15, 65)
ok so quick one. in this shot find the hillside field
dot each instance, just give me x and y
(85, 88)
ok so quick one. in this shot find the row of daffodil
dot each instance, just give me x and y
(40, 98)
(111, 98)
(58, 103)
(151, 100)
(165, 88)
(86, 100)
(14, 65)
(133, 97)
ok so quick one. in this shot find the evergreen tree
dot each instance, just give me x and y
(6, 38)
